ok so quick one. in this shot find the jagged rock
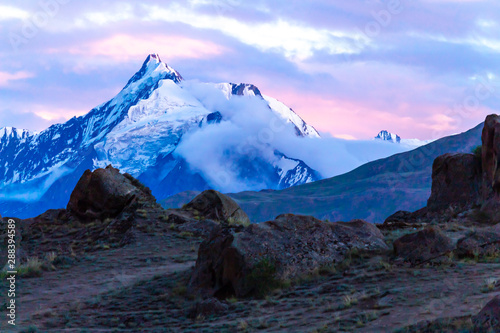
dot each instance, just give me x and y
(456, 181)
(488, 319)
(423, 246)
(208, 307)
(216, 206)
(104, 193)
(236, 262)
(482, 242)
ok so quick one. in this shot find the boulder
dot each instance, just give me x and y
(106, 209)
(241, 261)
(456, 181)
(105, 193)
(423, 246)
(480, 243)
(216, 206)
(204, 213)
(488, 319)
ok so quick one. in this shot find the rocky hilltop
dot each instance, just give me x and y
(206, 267)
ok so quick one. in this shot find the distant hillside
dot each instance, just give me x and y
(371, 192)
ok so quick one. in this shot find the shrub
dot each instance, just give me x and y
(186, 234)
(32, 268)
(478, 151)
(235, 222)
(262, 279)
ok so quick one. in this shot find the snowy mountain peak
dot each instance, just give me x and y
(153, 57)
(387, 136)
(7, 133)
(154, 67)
(394, 138)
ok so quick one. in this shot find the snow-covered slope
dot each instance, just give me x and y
(414, 143)
(394, 138)
(289, 115)
(140, 131)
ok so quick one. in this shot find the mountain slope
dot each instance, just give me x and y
(140, 131)
(371, 192)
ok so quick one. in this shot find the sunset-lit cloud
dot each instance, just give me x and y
(123, 48)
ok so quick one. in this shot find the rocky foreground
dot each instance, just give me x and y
(114, 260)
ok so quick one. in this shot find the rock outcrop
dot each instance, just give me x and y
(105, 193)
(463, 182)
(456, 181)
(237, 261)
(105, 210)
(216, 206)
(488, 320)
(205, 212)
(480, 243)
(423, 246)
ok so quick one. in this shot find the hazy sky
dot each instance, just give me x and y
(421, 69)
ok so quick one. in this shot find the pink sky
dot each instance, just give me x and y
(421, 75)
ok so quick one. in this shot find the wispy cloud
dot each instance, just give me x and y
(294, 39)
(10, 12)
(7, 78)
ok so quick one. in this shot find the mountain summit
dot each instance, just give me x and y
(386, 136)
(154, 67)
(394, 138)
(172, 134)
